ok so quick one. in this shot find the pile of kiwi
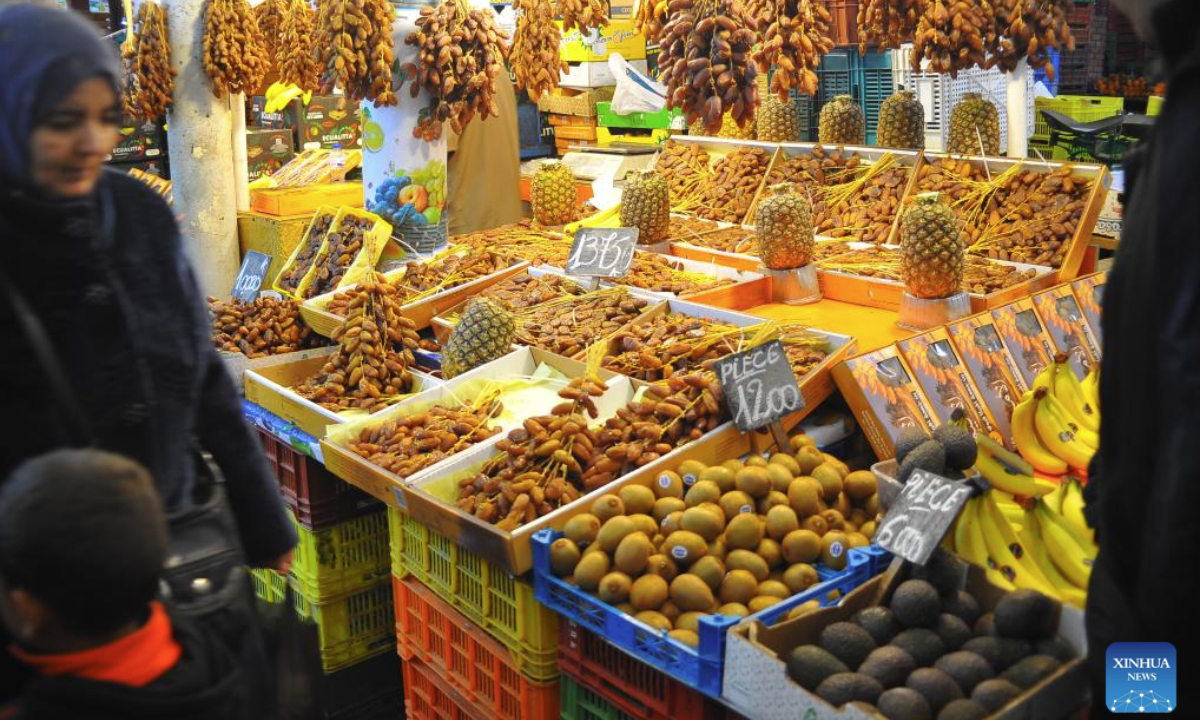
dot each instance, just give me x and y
(931, 653)
(729, 539)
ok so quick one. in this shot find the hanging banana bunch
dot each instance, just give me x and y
(296, 62)
(797, 35)
(536, 61)
(1028, 29)
(953, 34)
(235, 56)
(887, 23)
(355, 50)
(146, 60)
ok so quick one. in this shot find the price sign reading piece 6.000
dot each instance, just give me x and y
(921, 515)
(602, 252)
(759, 386)
(251, 276)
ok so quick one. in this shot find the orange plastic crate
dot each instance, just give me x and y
(428, 697)
(432, 632)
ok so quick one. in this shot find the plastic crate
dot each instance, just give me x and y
(317, 497)
(342, 559)
(473, 663)
(581, 703)
(873, 83)
(353, 627)
(429, 697)
(636, 689)
(501, 604)
(844, 28)
(1084, 108)
(269, 586)
(697, 667)
(362, 691)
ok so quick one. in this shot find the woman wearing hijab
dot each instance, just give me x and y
(96, 258)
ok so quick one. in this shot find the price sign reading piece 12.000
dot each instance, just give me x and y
(921, 515)
(602, 252)
(759, 386)
(251, 276)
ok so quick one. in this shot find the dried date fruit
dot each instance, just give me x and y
(730, 191)
(262, 327)
(146, 63)
(234, 52)
(536, 60)
(291, 275)
(355, 50)
(797, 35)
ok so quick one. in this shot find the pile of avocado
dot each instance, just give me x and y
(931, 654)
(950, 451)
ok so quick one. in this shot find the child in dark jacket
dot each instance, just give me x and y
(83, 539)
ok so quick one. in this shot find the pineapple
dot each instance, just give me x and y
(485, 332)
(901, 122)
(973, 119)
(842, 122)
(783, 224)
(729, 129)
(552, 194)
(778, 121)
(646, 205)
(931, 249)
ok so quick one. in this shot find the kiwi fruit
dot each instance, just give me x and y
(889, 665)
(718, 549)
(689, 471)
(801, 440)
(834, 550)
(803, 494)
(667, 505)
(638, 499)
(744, 532)
(687, 637)
(733, 465)
(710, 570)
(774, 588)
(607, 507)
(689, 620)
(843, 506)
(564, 556)
(691, 593)
(715, 509)
(867, 529)
(762, 602)
(815, 524)
(738, 586)
(967, 669)
(668, 607)
(781, 520)
(733, 609)
(773, 499)
(873, 506)
(667, 485)
(644, 524)
(770, 551)
(671, 523)
(756, 461)
(837, 690)
(735, 503)
(591, 569)
(703, 491)
(747, 560)
(803, 609)
(720, 476)
(632, 554)
(847, 642)
(781, 477)
(830, 479)
(654, 619)
(614, 588)
(648, 592)
(809, 665)
(808, 458)
(800, 577)
(903, 704)
(582, 529)
(857, 540)
(837, 463)
(938, 688)
(614, 531)
(702, 522)
(834, 520)
(684, 547)
(787, 461)
(860, 485)
(801, 546)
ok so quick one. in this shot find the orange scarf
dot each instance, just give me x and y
(137, 659)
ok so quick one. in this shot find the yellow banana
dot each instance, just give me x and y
(1085, 435)
(1054, 499)
(968, 539)
(1029, 445)
(1091, 387)
(1007, 551)
(1044, 379)
(1072, 515)
(1068, 392)
(594, 220)
(1005, 478)
(1072, 560)
(1059, 437)
(1035, 544)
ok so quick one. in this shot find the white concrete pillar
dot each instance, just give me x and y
(241, 164)
(1018, 111)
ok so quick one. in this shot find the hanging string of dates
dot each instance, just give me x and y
(954, 35)
(649, 18)
(146, 60)
(461, 53)
(296, 61)
(234, 54)
(706, 64)
(270, 15)
(583, 15)
(536, 61)
(355, 49)
(887, 23)
(797, 35)
(1029, 28)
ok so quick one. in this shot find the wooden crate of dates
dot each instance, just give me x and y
(729, 189)
(261, 333)
(353, 244)
(300, 263)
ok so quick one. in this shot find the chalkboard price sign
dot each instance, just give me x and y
(602, 252)
(759, 386)
(925, 509)
(251, 276)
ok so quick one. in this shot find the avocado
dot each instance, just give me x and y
(916, 604)
(1027, 614)
(995, 694)
(929, 456)
(963, 709)
(848, 643)
(889, 665)
(962, 605)
(985, 625)
(1031, 671)
(959, 444)
(938, 688)
(967, 669)
(880, 622)
(1056, 647)
(809, 665)
(923, 645)
(909, 439)
(904, 704)
(942, 571)
(952, 630)
(837, 690)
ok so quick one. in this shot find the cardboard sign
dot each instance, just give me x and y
(251, 275)
(602, 252)
(759, 386)
(919, 518)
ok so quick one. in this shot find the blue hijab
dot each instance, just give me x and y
(45, 53)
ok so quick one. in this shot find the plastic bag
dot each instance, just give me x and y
(635, 92)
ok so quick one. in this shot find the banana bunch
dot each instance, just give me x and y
(1041, 544)
(279, 95)
(609, 218)
(1056, 425)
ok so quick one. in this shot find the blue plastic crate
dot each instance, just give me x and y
(697, 667)
(873, 83)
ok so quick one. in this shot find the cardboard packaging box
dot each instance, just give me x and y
(942, 374)
(621, 9)
(1025, 337)
(329, 120)
(260, 118)
(1089, 291)
(587, 75)
(1067, 327)
(147, 141)
(268, 150)
(157, 166)
(884, 397)
(619, 36)
(993, 369)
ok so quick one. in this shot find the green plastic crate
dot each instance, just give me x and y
(490, 597)
(1084, 108)
(269, 586)
(351, 627)
(605, 117)
(342, 559)
(579, 703)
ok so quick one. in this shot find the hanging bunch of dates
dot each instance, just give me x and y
(954, 35)
(294, 56)
(649, 18)
(887, 23)
(355, 50)
(536, 61)
(797, 35)
(706, 61)
(269, 16)
(461, 53)
(146, 58)
(1028, 29)
(583, 15)
(235, 54)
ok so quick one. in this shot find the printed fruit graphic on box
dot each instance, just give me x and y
(404, 178)
(411, 197)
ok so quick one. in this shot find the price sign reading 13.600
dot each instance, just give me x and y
(759, 386)
(602, 252)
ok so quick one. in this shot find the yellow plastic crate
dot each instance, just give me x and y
(269, 586)
(342, 559)
(1084, 108)
(351, 627)
(493, 599)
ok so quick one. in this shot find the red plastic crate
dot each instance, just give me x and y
(844, 27)
(638, 690)
(428, 697)
(474, 664)
(317, 497)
